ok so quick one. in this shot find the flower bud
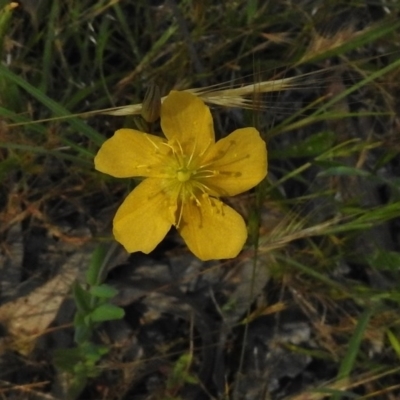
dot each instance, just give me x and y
(151, 104)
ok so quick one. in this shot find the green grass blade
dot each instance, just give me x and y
(84, 163)
(349, 359)
(56, 108)
(48, 56)
(323, 112)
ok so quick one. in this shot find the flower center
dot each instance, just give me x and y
(183, 175)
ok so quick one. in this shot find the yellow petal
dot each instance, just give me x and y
(211, 229)
(186, 119)
(131, 153)
(144, 218)
(240, 161)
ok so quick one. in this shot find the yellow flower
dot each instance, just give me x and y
(186, 174)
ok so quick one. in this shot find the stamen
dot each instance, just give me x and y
(191, 155)
(205, 173)
(205, 196)
(197, 201)
(154, 144)
(180, 147)
(219, 207)
(169, 145)
(206, 190)
(210, 142)
(180, 212)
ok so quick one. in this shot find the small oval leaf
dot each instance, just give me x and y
(106, 312)
(103, 291)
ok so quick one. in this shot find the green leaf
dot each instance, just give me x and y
(383, 259)
(82, 331)
(103, 291)
(96, 263)
(66, 359)
(92, 352)
(311, 146)
(79, 318)
(82, 298)
(180, 373)
(106, 312)
(343, 171)
(394, 341)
